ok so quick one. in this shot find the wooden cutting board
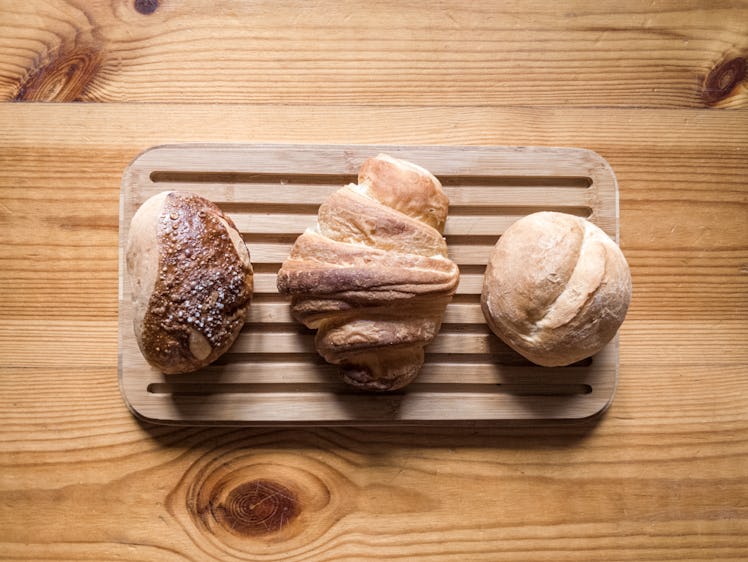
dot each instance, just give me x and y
(272, 374)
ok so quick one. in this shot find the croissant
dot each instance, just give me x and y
(373, 277)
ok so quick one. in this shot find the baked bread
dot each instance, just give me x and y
(373, 277)
(191, 281)
(556, 288)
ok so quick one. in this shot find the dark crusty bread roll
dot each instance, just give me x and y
(556, 288)
(373, 278)
(191, 281)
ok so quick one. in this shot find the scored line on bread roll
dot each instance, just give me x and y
(556, 288)
(586, 278)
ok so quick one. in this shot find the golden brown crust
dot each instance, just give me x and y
(407, 188)
(320, 266)
(374, 279)
(355, 218)
(203, 288)
(556, 288)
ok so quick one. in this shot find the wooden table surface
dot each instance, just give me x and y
(658, 88)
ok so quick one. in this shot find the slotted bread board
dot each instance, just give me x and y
(272, 374)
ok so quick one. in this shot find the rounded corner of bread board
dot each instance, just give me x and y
(597, 409)
(607, 386)
(138, 159)
(130, 401)
(137, 401)
(134, 379)
(138, 415)
(593, 155)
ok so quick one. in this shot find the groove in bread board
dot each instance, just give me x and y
(272, 374)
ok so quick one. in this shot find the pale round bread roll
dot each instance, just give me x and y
(191, 281)
(556, 288)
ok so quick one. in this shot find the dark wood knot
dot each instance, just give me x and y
(255, 507)
(259, 503)
(146, 7)
(62, 79)
(721, 81)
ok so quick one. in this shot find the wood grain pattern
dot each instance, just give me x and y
(632, 54)
(661, 476)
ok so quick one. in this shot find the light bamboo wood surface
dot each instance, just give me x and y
(659, 89)
(272, 373)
